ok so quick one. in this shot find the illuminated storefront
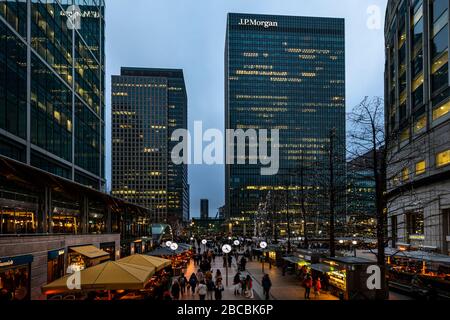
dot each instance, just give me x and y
(15, 277)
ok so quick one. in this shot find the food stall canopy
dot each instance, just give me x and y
(146, 261)
(321, 267)
(418, 255)
(294, 260)
(91, 252)
(107, 276)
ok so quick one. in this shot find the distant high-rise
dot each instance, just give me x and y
(285, 73)
(147, 106)
(204, 209)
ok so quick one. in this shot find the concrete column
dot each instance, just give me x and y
(47, 218)
(84, 208)
(108, 219)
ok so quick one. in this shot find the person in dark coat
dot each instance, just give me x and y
(193, 282)
(266, 284)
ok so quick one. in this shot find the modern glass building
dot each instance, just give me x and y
(52, 88)
(418, 122)
(285, 73)
(147, 106)
(52, 147)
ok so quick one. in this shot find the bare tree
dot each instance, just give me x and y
(368, 138)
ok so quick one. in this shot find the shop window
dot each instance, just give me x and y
(415, 223)
(16, 221)
(441, 111)
(443, 159)
(421, 168)
(55, 265)
(15, 283)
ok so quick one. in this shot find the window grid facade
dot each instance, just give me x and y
(289, 76)
(51, 88)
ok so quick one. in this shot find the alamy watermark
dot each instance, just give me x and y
(374, 22)
(73, 14)
(209, 147)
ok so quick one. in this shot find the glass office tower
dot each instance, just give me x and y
(285, 73)
(52, 88)
(147, 106)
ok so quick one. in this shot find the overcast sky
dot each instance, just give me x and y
(190, 34)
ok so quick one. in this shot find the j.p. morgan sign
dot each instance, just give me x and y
(257, 23)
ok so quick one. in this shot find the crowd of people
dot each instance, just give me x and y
(207, 284)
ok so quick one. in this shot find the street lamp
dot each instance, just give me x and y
(355, 243)
(263, 245)
(226, 249)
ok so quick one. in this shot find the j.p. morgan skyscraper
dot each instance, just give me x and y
(285, 73)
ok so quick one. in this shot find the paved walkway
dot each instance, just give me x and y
(228, 294)
(283, 288)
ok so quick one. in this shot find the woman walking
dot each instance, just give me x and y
(202, 290)
(218, 290)
(249, 287)
(175, 290)
(266, 284)
(193, 282)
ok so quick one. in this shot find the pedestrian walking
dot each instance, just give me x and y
(308, 286)
(249, 287)
(230, 260)
(210, 285)
(175, 290)
(218, 275)
(317, 288)
(237, 283)
(266, 284)
(193, 282)
(218, 290)
(202, 290)
(183, 283)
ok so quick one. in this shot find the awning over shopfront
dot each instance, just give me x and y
(321, 267)
(107, 276)
(156, 263)
(91, 252)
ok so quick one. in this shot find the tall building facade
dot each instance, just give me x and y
(204, 209)
(147, 106)
(285, 73)
(52, 147)
(52, 88)
(418, 122)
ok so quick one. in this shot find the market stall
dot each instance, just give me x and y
(80, 258)
(179, 257)
(147, 261)
(347, 277)
(101, 279)
(416, 272)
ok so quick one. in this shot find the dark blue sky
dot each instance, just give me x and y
(190, 34)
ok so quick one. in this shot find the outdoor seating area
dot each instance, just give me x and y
(134, 277)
